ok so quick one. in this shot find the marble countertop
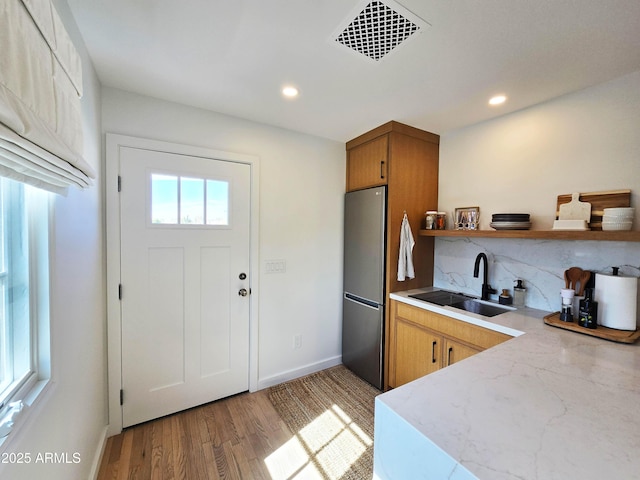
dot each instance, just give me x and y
(547, 404)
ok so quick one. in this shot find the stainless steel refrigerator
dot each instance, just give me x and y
(364, 295)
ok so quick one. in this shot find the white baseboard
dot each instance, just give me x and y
(97, 458)
(298, 372)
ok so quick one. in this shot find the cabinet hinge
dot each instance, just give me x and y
(121, 397)
(119, 183)
(120, 291)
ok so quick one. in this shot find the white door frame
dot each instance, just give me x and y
(112, 200)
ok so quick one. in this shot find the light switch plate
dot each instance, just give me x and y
(275, 266)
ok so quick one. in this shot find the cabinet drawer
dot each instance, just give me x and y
(450, 327)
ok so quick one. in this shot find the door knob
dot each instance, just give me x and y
(243, 292)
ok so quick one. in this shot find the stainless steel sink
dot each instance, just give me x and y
(442, 297)
(461, 302)
(480, 308)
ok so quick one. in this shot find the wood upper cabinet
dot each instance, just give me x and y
(421, 342)
(367, 164)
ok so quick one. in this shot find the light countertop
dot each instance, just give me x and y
(547, 404)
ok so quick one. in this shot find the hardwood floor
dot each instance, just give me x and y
(227, 439)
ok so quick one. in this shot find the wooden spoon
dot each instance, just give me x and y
(576, 276)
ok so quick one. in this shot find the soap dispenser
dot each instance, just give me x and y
(518, 294)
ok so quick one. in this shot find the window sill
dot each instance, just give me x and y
(33, 400)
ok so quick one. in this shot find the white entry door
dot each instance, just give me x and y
(185, 281)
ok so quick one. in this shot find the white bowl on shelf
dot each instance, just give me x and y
(617, 224)
(616, 215)
(619, 212)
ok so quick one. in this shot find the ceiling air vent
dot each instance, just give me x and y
(378, 28)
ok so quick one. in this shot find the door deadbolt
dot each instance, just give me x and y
(243, 292)
(242, 276)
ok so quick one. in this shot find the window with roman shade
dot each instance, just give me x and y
(40, 91)
(40, 146)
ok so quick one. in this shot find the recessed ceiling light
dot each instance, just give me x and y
(290, 92)
(497, 100)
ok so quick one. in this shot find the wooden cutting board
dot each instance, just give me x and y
(599, 201)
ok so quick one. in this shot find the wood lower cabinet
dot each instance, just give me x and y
(421, 342)
(456, 351)
(418, 351)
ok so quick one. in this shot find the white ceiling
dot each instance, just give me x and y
(234, 56)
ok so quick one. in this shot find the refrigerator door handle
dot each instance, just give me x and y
(363, 301)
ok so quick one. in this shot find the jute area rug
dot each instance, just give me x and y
(331, 416)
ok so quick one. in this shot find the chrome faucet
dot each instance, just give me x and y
(486, 288)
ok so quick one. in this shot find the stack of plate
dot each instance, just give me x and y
(510, 221)
(618, 218)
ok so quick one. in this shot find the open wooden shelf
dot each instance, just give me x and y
(609, 235)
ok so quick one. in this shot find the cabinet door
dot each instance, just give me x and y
(368, 164)
(454, 352)
(418, 352)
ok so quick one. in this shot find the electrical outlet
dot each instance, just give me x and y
(297, 342)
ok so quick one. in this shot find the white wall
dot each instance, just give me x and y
(582, 142)
(73, 416)
(301, 202)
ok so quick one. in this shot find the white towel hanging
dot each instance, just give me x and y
(405, 257)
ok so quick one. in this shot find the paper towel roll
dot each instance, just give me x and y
(617, 301)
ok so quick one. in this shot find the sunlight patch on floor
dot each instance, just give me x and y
(325, 448)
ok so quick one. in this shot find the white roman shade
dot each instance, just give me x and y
(40, 91)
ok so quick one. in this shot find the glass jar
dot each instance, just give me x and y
(430, 220)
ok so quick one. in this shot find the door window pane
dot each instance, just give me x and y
(164, 199)
(191, 201)
(217, 202)
(177, 200)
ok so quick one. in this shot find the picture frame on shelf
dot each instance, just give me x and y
(467, 218)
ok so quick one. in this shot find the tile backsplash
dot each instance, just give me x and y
(539, 263)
